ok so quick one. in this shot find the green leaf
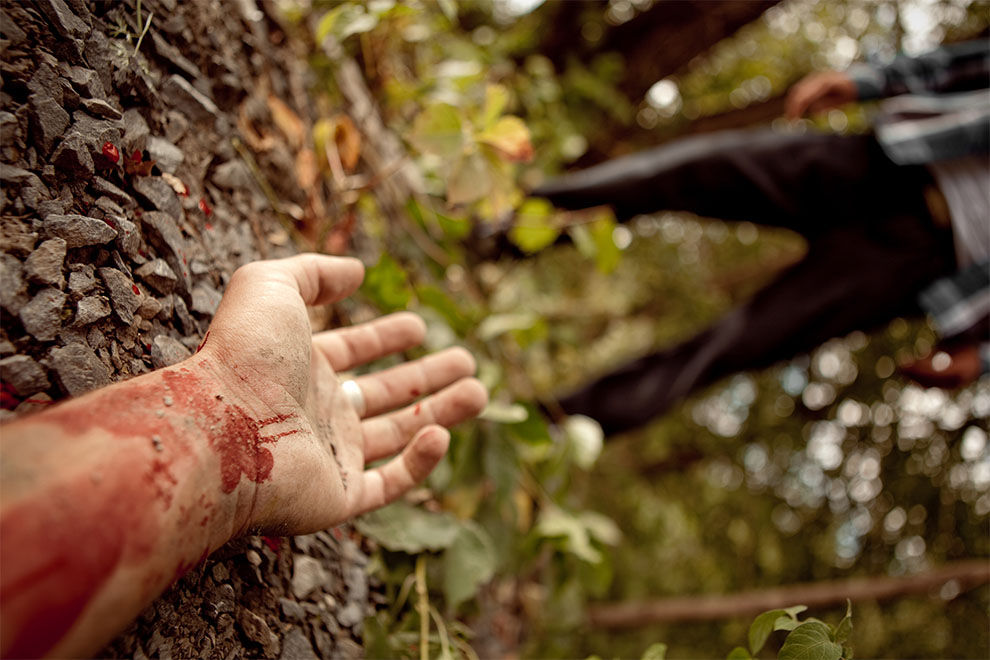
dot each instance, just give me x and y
(437, 130)
(511, 137)
(403, 528)
(761, 628)
(437, 299)
(496, 98)
(380, 7)
(499, 324)
(811, 640)
(845, 626)
(469, 179)
(326, 24)
(739, 653)
(454, 227)
(533, 430)
(354, 23)
(449, 9)
(504, 413)
(387, 285)
(554, 522)
(786, 623)
(794, 610)
(602, 528)
(468, 563)
(586, 439)
(533, 229)
(656, 651)
(607, 253)
(345, 20)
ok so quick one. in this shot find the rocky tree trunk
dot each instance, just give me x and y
(147, 149)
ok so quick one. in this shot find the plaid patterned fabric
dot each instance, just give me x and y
(942, 104)
(940, 111)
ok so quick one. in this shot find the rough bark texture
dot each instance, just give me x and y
(134, 181)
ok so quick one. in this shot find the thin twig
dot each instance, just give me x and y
(423, 607)
(147, 26)
(442, 632)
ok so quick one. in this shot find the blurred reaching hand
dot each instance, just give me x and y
(817, 92)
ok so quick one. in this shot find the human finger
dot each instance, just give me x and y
(346, 348)
(320, 279)
(387, 390)
(386, 483)
(387, 434)
(797, 101)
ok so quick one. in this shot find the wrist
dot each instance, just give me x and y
(239, 429)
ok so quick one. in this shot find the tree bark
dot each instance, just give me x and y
(968, 574)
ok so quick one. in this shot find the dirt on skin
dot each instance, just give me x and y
(135, 180)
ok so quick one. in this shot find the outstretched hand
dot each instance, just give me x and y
(817, 92)
(264, 348)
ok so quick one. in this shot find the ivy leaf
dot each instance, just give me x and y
(656, 651)
(403, 528)
(469, 179)
(387, 285)
(761, 628)
(511, 137)
(437, 130)
(739, 653)
(533, 229)
(468, 563)
(845, 626)
(812, 640)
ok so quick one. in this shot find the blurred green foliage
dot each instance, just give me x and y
(824, 467)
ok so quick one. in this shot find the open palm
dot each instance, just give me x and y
(262, 342)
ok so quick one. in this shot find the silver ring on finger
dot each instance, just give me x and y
(354, 394)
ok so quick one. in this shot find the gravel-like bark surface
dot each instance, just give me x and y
(134, 181)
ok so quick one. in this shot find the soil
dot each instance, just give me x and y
(138, 172)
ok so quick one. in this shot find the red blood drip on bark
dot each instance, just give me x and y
(204, 207)
(8, 396)
(273, 542)
(137, 291)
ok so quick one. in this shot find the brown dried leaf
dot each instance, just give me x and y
(287, 121)
(307, 171)
(348, 140)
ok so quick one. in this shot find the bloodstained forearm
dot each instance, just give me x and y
(108, 499)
